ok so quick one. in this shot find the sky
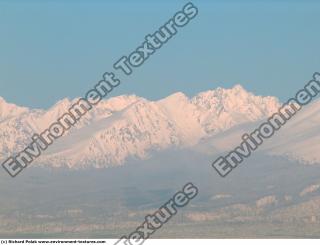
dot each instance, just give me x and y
(51, 50)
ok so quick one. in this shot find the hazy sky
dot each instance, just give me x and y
(56, 49)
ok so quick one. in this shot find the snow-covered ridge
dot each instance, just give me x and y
(8, 110)
(131, 126)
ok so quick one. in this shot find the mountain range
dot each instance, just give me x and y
(129, 126)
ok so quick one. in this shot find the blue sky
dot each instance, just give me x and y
(56, 49)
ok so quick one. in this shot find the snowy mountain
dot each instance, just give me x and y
(298, 139)
(126, 127)
(10, 110)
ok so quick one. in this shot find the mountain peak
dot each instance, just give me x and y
(63, 102)
(177, 96)
(8, 110)
(3, 102)
(239, 88)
